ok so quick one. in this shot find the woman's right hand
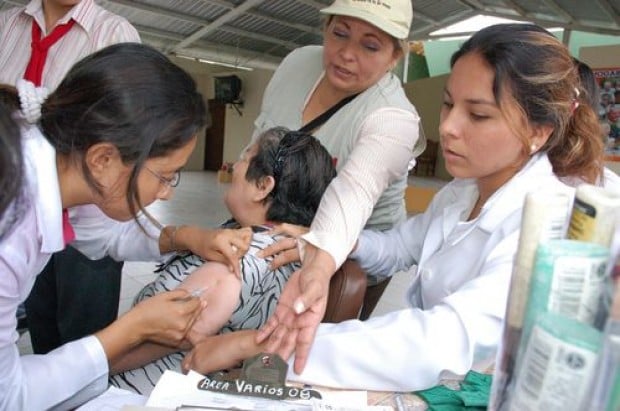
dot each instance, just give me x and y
(284, 251)
(166, 318)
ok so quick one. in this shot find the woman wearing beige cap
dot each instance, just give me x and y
(372, 135)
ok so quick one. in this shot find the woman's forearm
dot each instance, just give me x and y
(140, 356)
(120, 337)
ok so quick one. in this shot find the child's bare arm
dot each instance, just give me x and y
(221, 292)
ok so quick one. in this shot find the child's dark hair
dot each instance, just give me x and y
(11, 172)
(302, 169)
(129, 95)
(535, 71)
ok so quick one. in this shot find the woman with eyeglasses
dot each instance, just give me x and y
(114, 134)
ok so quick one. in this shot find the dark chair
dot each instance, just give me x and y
(346, 293)
(372, 296)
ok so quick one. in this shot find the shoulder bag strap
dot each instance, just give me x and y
(321, 119)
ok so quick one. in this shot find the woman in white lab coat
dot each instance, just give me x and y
(115, 133)
(512, 121)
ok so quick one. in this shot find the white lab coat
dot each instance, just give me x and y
(97, 236)
(457, 296)
(37, 382)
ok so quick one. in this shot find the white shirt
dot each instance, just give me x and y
(379, 157)
(37, 382)
(457, 296)
(95, 28)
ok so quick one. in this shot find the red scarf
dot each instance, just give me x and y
(68, 235)
(40, 47)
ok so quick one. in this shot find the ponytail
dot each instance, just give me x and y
(580, 151)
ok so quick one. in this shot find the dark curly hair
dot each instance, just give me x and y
(302, 169)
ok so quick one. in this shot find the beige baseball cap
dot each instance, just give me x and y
(392, 16)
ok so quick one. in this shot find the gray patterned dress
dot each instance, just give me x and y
(260, 290)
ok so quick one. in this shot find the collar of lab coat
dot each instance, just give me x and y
(44, 188)
(535, 175)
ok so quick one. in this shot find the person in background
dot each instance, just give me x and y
(513, 120)
(11, 172)
(608, 88)
(79, 289)
(278, 179)
(114, 133)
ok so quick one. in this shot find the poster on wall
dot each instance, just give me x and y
(608, 80)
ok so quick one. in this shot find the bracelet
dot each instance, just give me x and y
(173, 237)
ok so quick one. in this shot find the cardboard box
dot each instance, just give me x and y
(223, 176)
(418, 198)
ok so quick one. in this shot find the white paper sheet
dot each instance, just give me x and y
(112, 400)
(174, 390)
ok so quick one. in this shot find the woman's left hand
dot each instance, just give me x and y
(224, 245)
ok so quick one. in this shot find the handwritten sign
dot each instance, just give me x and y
(262, 376)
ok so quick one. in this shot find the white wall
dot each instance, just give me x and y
(238, 129)
(602, 56)
(204, 81)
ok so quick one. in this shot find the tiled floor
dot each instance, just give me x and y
(198, 200)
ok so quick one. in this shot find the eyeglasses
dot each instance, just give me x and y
(168, 182)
